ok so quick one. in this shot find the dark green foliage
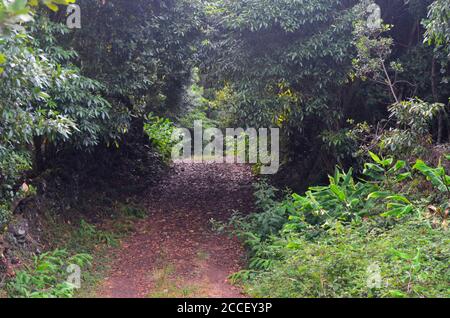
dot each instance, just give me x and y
(45, 105)
(286, 62)
(65, 92)
(141, 51)
(291, 64)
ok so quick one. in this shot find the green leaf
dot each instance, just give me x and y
(398, 198)
(375, 157)
(403, 176)
(337, 190)
(44, 95)
(400, 254)
(378, 194)
(400, 164)
(398, 211)
(435, 175)
(387, 162)
(447, 180)
(52, 6)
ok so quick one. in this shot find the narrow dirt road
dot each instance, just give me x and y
(175, 252)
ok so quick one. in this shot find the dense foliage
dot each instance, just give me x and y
(345, 86)
(47, 279)
(66, 93)
(341, 84)
(315, 70)
(327, 242)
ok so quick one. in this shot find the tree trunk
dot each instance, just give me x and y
(38, 156)
(434, 77)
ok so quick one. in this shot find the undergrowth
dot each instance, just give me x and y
(382, 235)
(49, 276)
(77, 258)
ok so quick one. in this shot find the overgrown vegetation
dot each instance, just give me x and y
(87, 115)
(68, 94)
(160, 131)
(48, 276)
(332, 240)
(316, 70)
(78, 258)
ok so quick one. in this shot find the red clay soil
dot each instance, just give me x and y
(175, 252)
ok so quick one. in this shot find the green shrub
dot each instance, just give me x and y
(48, 277)
(160, 131)
(269, 221)
(413, 259)
(413, 119)
(325, 243)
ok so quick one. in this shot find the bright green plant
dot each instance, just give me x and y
(440, 180)
(48, 276)
(345, 199)
(342, 199)
(388, 176)
(336, 263)
(160, 131)
(437, 176)
(384, 170)
(324, 241)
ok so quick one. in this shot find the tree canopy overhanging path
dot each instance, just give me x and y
(175, 251)
(93, 104)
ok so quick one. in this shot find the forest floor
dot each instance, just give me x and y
(175, 251)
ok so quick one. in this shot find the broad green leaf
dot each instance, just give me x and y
(378, 194)
(400, 164)
(403, 176)
(375, 157)
(398, 198)
(337, 190)
(398, 211)
(435, 175)
(387, 162)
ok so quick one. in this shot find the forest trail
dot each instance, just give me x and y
(174, 251)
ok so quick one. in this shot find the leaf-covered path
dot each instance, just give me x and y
(174, 251)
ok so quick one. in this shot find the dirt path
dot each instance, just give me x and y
(175, 252)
